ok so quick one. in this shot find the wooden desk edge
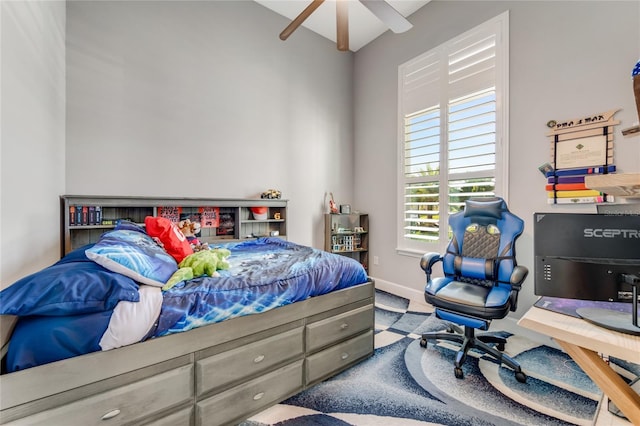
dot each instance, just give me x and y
(582, 333)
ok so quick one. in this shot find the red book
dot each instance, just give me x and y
(85, 215)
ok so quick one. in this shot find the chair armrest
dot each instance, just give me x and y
(427, 262)
(518, 276)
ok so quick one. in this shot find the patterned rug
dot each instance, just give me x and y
(403, 384)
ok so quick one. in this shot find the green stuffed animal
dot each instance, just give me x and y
(198, 264)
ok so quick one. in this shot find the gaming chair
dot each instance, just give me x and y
(481, 279)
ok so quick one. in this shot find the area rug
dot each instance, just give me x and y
(403, 384)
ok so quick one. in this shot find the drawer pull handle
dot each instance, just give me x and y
(344, 355)
(258, 359)
(111, 414)
(344, 326)
(258, 396)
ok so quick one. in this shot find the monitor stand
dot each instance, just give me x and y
(614, 320)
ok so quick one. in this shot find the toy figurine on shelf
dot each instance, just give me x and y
(333, 207)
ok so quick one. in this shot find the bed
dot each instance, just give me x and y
(278, 318)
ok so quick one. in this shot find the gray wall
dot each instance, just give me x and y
(32, 136)
(567, 60)
(202, 99)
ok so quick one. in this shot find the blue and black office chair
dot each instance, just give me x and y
(481, 279)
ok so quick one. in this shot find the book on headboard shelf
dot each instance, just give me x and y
(80, 215)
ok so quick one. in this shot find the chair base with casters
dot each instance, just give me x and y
(481, 280)
(469, 340)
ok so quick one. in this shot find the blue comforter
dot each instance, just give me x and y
(264, 274)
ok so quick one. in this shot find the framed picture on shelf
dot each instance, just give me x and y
(226, 225)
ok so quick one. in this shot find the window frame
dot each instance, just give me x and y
(499, 26)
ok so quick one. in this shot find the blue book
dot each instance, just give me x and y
(583, 171)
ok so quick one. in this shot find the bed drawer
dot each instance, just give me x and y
(123, 405)
(320, 365)
(250, 397)
(339, 327)
(182, 417)
(225, 368)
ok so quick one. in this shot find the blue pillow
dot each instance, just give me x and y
(67, 288)
(135, 255)
(62, 337)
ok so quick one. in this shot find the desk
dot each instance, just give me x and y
(582, 341)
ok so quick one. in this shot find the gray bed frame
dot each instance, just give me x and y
(213, 375)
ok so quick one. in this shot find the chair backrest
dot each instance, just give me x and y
(482, 248)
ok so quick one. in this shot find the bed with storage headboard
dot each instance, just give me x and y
(88, 340)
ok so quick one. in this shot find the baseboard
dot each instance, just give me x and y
(399, 290)
(508, 324)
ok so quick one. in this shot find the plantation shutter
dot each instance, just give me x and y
(448, 103)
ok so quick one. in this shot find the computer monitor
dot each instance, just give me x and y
(593, 257)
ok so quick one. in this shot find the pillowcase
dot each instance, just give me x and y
(174, 241)
(68, 288)
(62, 337)
(135, 255)
(131, 322)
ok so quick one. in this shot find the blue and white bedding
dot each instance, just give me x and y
(263, 274)
(91, 308)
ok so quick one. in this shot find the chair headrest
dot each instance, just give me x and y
(490, 207)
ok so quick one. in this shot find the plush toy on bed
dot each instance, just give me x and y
(190, 230)
(198, 264)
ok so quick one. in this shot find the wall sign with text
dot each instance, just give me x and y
(579, 147)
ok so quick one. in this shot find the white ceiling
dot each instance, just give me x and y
(363, 25)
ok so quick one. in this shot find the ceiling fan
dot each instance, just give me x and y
(380, 8)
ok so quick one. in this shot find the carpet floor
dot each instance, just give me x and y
(404, 384)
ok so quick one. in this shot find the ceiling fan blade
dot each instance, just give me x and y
(342, 25)
(387, 14)
(300, 19)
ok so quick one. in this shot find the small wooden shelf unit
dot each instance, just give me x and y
(348, 235)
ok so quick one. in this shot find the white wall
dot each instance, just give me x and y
(567, 60)
(32, 136)
(202, 99)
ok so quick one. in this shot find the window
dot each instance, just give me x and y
(453, 132)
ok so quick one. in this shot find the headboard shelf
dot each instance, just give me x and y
(84, 218)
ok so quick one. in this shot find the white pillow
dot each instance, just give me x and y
(131, 321)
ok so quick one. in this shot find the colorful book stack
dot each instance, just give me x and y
(85, 215)
(567, 186)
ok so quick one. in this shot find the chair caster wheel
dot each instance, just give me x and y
(521, 377)
(423, 343)
(458, 373)
(500, 347)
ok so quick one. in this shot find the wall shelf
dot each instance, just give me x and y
(616, 184)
